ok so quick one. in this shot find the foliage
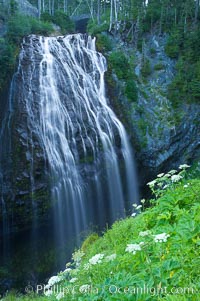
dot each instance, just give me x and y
(156, 248)
(7, 60)
(104, 43)
(185, 86)
(61, 19)
(159, 66)
(93, 28)
(172, 47)
(152, 51)
(20, 26)
(119, 62)
(121, 65)
(146, 68)
(131, 90)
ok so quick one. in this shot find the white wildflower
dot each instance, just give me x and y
(73, 280)
(167, 175)
(53, 280)
(176, 178)
(111, 257)
(84, 288)
(172, 172)
(96, 259)
(77, 256)
(185, 186)
(68, 270)
(134, 205)
(166, 186)
(138, 207)
(47, 287)
(144, 233)
(133, 214)
(133, 248)
(143, 201)
(160, 175)
(152, 183)
(48, 293)
(184, 166)
(161, 237)
(86, 266)
(60, 296)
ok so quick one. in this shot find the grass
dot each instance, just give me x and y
(163, 271)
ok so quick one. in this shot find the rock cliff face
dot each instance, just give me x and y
(26, 8)
(164, 136)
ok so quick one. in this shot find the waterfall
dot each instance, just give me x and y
(59, 86)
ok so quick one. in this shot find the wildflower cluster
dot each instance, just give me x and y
(96, 259)
(133, 248)
(161, 237)
(52, 281)
(77, 257)
(164, 181)
(111, 257)
(137, 208)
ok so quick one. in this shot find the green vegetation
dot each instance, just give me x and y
(61, 19)
(159, 66)
(152, 52)
(104, 43)
(146, 68)
(186, 84)
(122, 67)
(7, 60)
(18, 26)
(93, 28)
(156, 248)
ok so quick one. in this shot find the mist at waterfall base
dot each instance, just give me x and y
(87, 158)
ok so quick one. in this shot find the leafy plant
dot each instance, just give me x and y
(156, 249)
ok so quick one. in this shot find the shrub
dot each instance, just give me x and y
(104, 43)
(63, 20)
(159, 66)
(131, 90)
(119, 62)
(146, 68)
(93, 28)
(172, 46)
(152, 52)
(7, 60)
(20, 26)
(40, 27)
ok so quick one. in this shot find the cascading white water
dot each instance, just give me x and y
(74, 123)
(92, 173)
